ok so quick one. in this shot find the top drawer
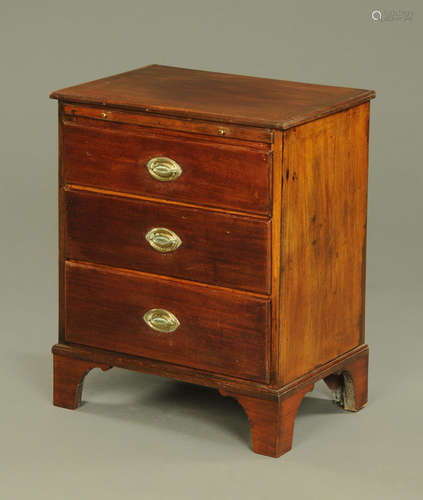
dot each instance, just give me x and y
(213, 172)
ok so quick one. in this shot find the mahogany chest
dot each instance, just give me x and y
(213, 230)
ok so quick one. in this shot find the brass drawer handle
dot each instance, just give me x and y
(163, 240)
(164, 169)
(161, 320)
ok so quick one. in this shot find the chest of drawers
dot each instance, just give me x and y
(212, 230)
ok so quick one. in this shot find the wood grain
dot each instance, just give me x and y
(272, 422)
(226, 383)
(221, 130)
(220, 331)
(61, 230)
(69, 376)
(323, 237)
(277, 182)
(271, 412)
(217, 97)
(213, 174)
(350, 383)
(217, 248)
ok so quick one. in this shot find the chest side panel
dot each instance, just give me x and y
(324, 205)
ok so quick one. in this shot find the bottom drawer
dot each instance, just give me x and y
(194, 325)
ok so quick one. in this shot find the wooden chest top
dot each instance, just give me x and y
(205, 95)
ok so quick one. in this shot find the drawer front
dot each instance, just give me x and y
(212, 173)
(198, 326)
(216, 248)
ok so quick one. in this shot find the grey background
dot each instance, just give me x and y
(140, 436)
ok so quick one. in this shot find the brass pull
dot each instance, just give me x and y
(161, 320)
(163, 240)
(164, 169)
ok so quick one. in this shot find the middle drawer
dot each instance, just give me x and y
(222, 249)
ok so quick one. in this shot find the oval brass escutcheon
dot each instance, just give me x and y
(164, 169)
(163, 240)
(161, 320)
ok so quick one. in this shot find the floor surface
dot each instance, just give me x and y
(142, 436)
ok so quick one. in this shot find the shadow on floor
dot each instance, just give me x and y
(148, 400)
